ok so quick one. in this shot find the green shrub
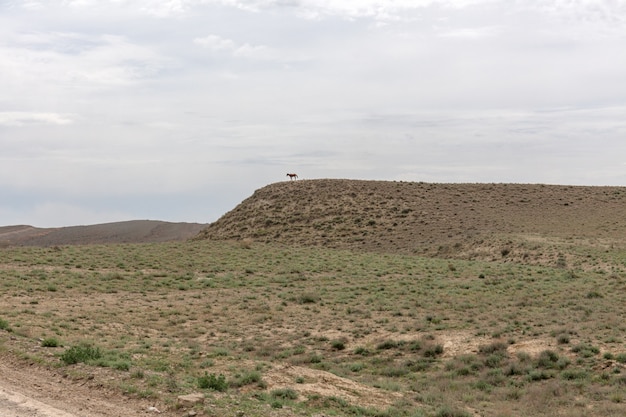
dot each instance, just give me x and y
(50, 342)
(315, 358)
(548, 359)
(447, 411)
(389, 344)
(138, 374)
(415, 346)
(394, 371)
(356, 367)
(482, 385)
(284, 394)
(538, 375)
(621, 380)
(81, 353)
(120, 365)
(572, 374)
(514, 368)
(621, 357)
(586, 351)
(217, 383)
(247, 378)
(433, 350)
(361, 350)
(338, 344)
(494, 360)
(308, 298)
(496, 347)
(524, 357)
(4, 325)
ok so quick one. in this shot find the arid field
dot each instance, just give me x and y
(336, 298)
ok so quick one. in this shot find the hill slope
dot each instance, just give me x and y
(134, 231)
(409, 217)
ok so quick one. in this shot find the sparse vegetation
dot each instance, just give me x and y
(50, 342)
(81, 353)
(4, 325)
(438, 329)
(212, 381)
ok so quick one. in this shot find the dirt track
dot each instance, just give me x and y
(27, 390)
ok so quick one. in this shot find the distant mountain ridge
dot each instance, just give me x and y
(133, 231)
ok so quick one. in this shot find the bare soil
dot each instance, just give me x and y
(28, 390)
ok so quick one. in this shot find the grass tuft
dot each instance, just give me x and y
(213, 382)
(81, 354)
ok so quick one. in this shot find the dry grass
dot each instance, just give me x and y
(348, 332)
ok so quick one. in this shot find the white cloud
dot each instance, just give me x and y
(216, 43)
(260, 52)
(471, 33)
(165, 8)
(347, 8)
(54, 71)
(27, 118)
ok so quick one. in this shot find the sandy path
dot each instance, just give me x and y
(14, 404)
(28, 390)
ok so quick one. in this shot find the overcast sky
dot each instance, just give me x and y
(178, 110)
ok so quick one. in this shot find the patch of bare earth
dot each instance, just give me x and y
(328, 385)
(27, 390)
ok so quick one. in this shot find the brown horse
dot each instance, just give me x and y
(293, 176)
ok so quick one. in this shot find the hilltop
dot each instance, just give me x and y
(453, 220)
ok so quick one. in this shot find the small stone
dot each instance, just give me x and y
(190, 400)
(240, 413)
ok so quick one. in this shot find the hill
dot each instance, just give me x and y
(134, 231)
(453, 220)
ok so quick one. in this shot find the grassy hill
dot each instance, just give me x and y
(467, 221)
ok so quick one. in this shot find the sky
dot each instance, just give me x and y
(178, 110)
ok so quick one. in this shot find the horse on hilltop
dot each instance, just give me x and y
(293, 176)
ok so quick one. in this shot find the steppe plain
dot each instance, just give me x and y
(333, 297)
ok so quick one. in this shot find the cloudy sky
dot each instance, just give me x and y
(178, 110)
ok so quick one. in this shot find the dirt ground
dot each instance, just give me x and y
(27, 390)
